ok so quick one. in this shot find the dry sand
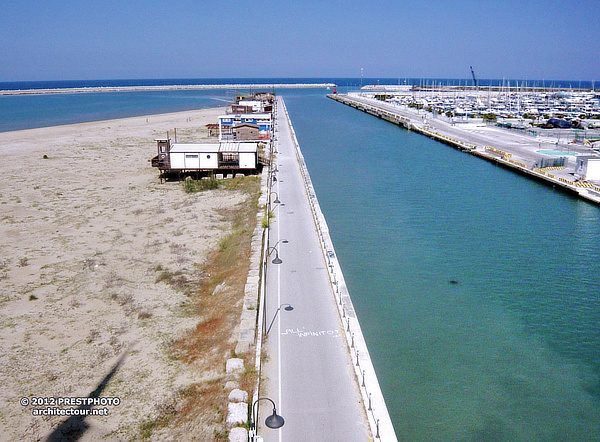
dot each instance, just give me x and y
(82, 234)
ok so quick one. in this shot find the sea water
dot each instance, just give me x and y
(477, 289)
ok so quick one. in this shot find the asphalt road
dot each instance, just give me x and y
(308, 371)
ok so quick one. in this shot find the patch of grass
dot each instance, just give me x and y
(148, 427)
(195, 186)
(266, 220)
(176, 280)
(246, 184)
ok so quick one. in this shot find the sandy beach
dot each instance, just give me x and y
(86, 228)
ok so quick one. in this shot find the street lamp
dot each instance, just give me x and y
(276, 197)
(288, 308)
(273, 421)
(276, 260)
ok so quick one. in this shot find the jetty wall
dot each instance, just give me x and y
(584, 190)
(366, 378)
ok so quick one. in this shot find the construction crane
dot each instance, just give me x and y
(474, 79)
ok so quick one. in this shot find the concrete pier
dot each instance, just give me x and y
(318, 370)
(512, 150)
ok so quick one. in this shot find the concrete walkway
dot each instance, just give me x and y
(309, 370)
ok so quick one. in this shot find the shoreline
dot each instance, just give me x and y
(95, 89)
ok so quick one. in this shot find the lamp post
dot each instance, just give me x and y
(276, 201)
(288, 308)
(273, 421)
(276, 260)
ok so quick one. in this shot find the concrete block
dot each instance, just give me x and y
(251, 290)
(250, 303)
(231, 385)
(255, 260)
(234, 365)
(237, 413)
(242, 347)
(249, 317)
(238, 434)
(246, 335)
(238, 395)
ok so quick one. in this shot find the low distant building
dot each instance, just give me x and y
(260, 102)
(246, 132)
(244, 140)
(228, 156)
(213, 129)
(229, 123)
(588, 167)
(240, 109)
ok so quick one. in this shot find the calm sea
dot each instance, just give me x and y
(478, 290)
(27, 112)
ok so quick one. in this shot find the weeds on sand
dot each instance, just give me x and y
(244, 184)
(208, 345)
(176, 280)
(195, 186)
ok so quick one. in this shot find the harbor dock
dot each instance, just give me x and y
(560, 163)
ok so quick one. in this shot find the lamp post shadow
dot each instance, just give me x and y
(75, 426)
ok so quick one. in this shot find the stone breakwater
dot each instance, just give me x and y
(183, 87)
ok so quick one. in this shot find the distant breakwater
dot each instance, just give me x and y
(76, 90)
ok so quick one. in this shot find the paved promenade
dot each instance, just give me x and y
(310, 368)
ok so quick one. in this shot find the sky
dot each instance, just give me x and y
(128, 39)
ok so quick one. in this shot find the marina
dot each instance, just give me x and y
(505, 101)
(566, 159)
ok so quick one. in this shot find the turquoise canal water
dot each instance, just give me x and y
(510, 350)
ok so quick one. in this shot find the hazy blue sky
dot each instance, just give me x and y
(108, 39)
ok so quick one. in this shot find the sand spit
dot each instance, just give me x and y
(85, 226)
